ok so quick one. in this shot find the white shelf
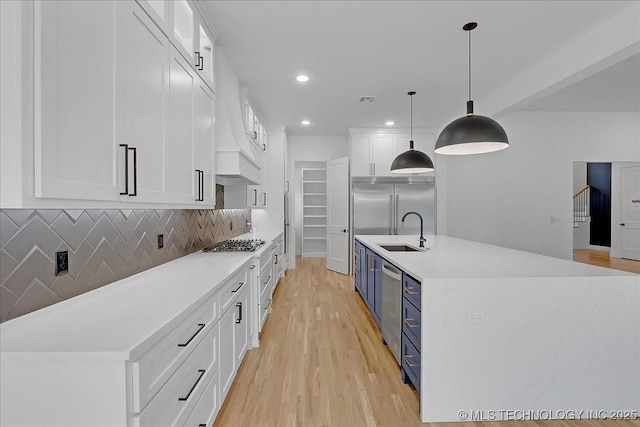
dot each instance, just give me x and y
(314, 196)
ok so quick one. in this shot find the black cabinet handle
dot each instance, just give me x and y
(201, 67)
(239, 305)
(238, 288)
(200, 327)
(255, 197)
(268, 278)
(135, 171)
(202, 196)
(276, 259)
(268, 305)
(193, 387)
(264, 198)
(126, 169)
(198, 199)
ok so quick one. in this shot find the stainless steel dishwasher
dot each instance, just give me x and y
(391, 307)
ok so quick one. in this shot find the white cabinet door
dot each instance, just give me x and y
(204, 160)
(206, 50)
(75, 144)
(142, 100)
(361, 156)
(382, 149)
(241, 339)
(227, 351)
(182, 179)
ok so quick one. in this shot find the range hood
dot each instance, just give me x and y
(236, 161)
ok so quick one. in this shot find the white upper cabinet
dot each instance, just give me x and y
(373, 150)
(255, 130)
(182, 178)
(204, 128)
(184, 27)
(75, 143)
(206, 50)
(142, 103)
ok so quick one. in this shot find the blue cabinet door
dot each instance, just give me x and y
(377, 289)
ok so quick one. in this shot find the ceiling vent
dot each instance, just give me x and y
(367, 98)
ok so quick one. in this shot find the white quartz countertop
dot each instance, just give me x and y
(126, 314)
(449, 257)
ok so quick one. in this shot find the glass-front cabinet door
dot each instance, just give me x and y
(206, 52)
(184, 27)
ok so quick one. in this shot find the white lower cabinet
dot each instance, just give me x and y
(176, 376)
(234, 334)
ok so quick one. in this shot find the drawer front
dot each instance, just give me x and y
(265, 256)
(411, 289)
(411, 361)
(230, 290)
(265, 308)
(179, 395)
(207, 407)
(266, 279)
(156, 366)
(411, 322)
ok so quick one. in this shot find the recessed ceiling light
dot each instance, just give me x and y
(390, 123)
(305, 122)
(302, 78)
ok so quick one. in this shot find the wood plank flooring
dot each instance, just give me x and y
(602, 259)
(321, 363)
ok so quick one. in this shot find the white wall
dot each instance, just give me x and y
(308, 149)
(521, 197)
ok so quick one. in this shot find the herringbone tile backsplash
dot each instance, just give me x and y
(103, 245)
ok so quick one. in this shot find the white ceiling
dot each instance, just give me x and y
(351, 49)
(614, 89)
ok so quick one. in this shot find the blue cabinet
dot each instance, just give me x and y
(374, 285)
(359, 269)
(411, 330)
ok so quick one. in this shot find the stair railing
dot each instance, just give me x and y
(581, 205)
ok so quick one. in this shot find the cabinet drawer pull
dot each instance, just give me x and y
(126, 170)
(268, 305)
(406, 359)
(252, 267)
(408, 290)
(200, 327)
(276, 259)
(268, 279)
(200, 179)
(409, 324)
(202, 425)
(135, 171)
(238, 288)
(193, 387)
(239, 319)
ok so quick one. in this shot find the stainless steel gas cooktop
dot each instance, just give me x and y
(235, 245)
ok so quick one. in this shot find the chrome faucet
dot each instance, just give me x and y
(422, 239)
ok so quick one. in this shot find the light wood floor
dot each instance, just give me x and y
(601, 259)
(321, 363)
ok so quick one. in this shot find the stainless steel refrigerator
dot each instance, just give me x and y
(380, 202)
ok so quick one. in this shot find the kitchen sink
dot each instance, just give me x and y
(402, 248)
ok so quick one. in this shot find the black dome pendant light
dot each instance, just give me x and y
(471, 134)
(411, 161)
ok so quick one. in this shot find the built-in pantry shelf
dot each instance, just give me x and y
(314, 218)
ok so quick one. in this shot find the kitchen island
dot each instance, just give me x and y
(507, 334)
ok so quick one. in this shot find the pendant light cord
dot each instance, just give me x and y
(411, 121)
(469, 65)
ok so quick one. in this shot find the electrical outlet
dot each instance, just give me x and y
(160, 241)
(475, 317)
(62, 262)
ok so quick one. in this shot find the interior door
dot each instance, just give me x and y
(338, 215)
(630, 212)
